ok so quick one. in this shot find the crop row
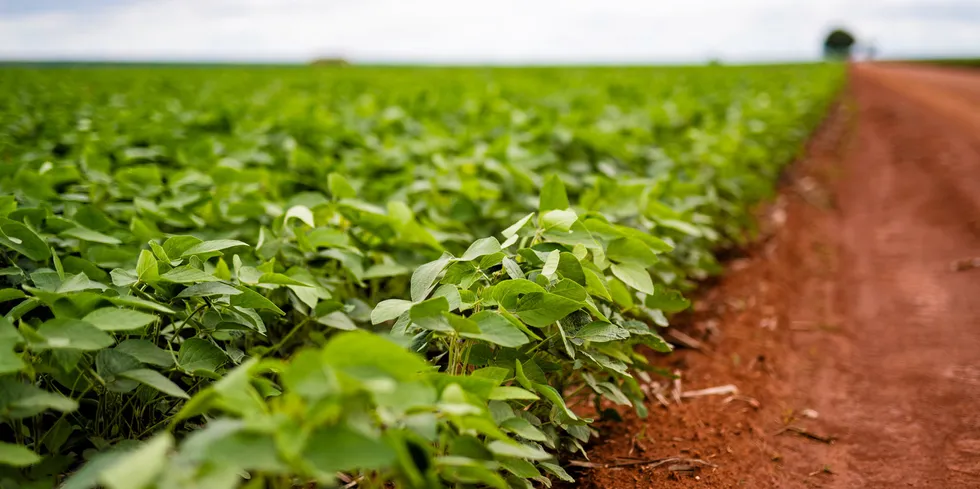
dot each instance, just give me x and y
(422, 277)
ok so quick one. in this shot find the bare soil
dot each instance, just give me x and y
(845, 323)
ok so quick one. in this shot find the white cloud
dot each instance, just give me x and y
(485, 31)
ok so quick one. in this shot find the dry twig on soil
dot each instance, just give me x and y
(807, 434)
(964, 264)
(683, 339)
(652, 463)
(712, 391)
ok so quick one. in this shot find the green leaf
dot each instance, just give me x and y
(620, 294)
(72, 334)
(340, 449)
(17, 455)
(428, 314)
(147, 270)
(86, 234)
(252, 299)
(209, 289)
(425, 276)
(280, 279)
(155, 380)
(631, 251)
(300, 212)
(339, 187)
(516, 227)
(553, 195)
(197, 355)
(23, 240)
(337, 320)
(551, 394)
(523, 428)
(667, 300)
(601, 332)
(210, 247)
(130, 301)
(20, 400)
(389, 309)
(571, 268)
(595, 284)
(518, 450)
(78, 283)
(551, 264)
(11, 294)
(187, 275)
(10, 360)
(481, 247)
(541, 309)
(110, 363)
(146, 352)
(634, 276)
(557, 220)
(139, 468)
(513, 269)
(509, 393)
(508, 291)
(360, 349)
(556, 471)
(496, 329)
(116, 319)
(176, 246)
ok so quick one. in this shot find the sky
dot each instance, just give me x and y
(478, 31)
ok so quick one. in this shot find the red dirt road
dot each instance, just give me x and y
(847, 307)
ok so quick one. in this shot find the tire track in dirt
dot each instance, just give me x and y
(848, 307)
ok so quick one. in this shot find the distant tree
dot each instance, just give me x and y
(335, 61)
(838, 44)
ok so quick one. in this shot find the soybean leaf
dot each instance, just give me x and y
(516, 227)
(199, 355)
(16, 455)
(130, 301)
(667, 300)
(117, 319)
(339, 187)
(389, 309)
(209, 289)
(481, 247)
(631, 251)
(428, 314)
(340, 449)
(175, 246)
(508, 393)
(634, 276)
(301, 212)
(541, 309)
(206, 247)
(155, 380)
(254, 300)
(425, 276)
(23, 240)
(553, 195)
(514, 449)
(146, 352)
(89, 235)
(601, 332)
(72, 334)
(496, 329)
(140, 467)
(187, 275)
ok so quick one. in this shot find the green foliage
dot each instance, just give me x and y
(411, 276)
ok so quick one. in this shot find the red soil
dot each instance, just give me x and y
(846, 307)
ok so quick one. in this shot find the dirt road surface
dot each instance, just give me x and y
(845, 323)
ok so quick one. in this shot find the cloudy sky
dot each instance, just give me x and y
(478, 31)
